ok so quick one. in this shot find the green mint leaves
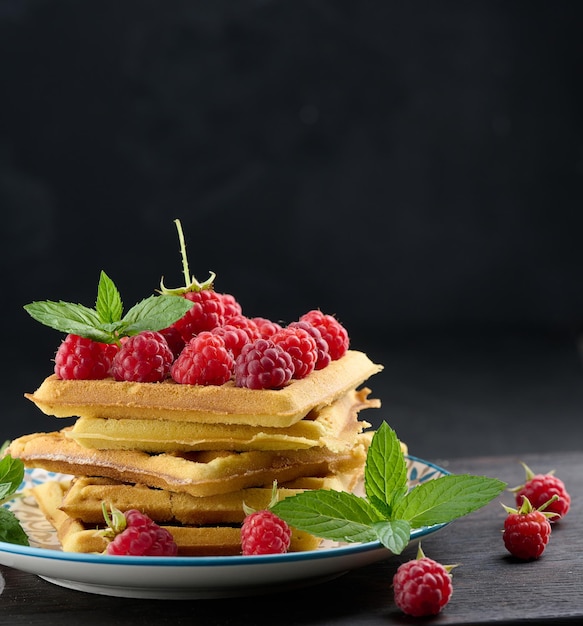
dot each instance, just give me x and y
(389, 510)
(11, 475)
(106, 322)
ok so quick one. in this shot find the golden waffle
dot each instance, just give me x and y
(335, 426)
(199, 473)
(205, 403)
(83, 500)
(77, 536)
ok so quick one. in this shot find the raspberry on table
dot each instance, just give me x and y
(540, 488)
(135, 534)
(79, 358)
(263, 532)
(204, 360)
(335, 335)
(143, 358)
(526, 531)
(301, 346)
(422, 586)
(263, 365)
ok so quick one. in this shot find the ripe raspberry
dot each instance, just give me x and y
(263, 365)
(78, 358)
(263, 532)
(174, 339)
(143, 358)
(302, 348)
(205, 360)
(335, 335)
(323, 351)
(135, 534)
(422, 586)
(540, 488)
(266, 326)
(231, 305)
(526, 531)
(207, 312)
(235, 338)
(245, 323)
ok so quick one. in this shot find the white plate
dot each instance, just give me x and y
(187, 577)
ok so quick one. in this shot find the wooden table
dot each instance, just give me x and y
(489, 586)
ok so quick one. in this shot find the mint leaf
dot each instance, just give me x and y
(105, 323)
(335, 515)
(108, 305)
(10, 529)
(155, 313)
(385, 470)
(11, 475)
(394, 535)
(446, 498)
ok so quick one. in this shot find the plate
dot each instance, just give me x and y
(187, 577)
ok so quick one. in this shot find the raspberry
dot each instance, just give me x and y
(301, 346)
(235, 338)
(323, 358)
(135, 534)
(174, 339)
(205, 360)
(332, 332)
(263, 365)
(78, 358)
(266, 326)
(231, 306)
(422, 586)
(207, 312)
(245, 323)
(526, 531)
(540, 488)
(263, 532)
(143, 358)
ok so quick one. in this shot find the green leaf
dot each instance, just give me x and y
(446, 498)
(64, 316)
(11, 475)
(10, 529)
(385, 471)
(394, 535)
(108, 305)
(155, 313)
(335, 515)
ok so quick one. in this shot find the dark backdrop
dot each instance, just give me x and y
(414, 168)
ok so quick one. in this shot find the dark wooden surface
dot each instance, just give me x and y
(489, 586)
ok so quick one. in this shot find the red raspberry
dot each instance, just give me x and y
(539, 489)
(174, 339)
(422, 586)
(323, 352)
(263, 532)
(231, 305)
(143, 358)
(207, 313)
(245, 323)
(235, 338)
(263, 365)
(78, 358)
(526, 531)
(335, 335)
(301, 346)
(135, 534)
(266, 326)
(205, 360)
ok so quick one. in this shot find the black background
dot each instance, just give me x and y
(413, 168)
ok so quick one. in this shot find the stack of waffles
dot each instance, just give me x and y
(189, 456)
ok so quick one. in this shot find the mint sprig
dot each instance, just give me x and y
(106, 322)
(11, 475)
(389, 510)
